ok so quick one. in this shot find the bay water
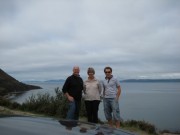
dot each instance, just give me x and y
(155, 102)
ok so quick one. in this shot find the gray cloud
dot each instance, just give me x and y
(44, 39)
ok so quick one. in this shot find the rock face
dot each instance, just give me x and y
(9, 84)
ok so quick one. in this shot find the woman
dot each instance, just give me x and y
(92, 91)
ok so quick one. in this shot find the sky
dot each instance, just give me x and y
(44, 39)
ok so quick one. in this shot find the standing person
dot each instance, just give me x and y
(111, 94)
(92, 91)
(72, 89)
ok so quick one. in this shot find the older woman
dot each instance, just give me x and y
(92, 91)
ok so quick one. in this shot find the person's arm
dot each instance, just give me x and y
(118, 92)
(102, 90)
(65, 90)
(84, 87)
(70, 98)
(99, 87)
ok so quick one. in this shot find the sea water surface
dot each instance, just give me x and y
(156, 103)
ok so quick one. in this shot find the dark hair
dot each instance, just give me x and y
(107, 68)
(91, 70)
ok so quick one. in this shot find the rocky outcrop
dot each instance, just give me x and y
(9, 84)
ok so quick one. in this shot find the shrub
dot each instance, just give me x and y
(14, 105)
(61, 104)
(50, 105)
(4, 102)
(145, 126)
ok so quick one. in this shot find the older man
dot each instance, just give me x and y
(72, 89)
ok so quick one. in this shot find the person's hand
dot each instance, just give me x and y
(117, 98)
(101, 98)
(71, 99)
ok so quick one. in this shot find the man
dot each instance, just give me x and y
(72, 89)
(111, 94)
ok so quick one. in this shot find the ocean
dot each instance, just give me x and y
(155, 102)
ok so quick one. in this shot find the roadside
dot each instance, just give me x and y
(6, 111)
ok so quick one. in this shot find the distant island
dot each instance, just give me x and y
(8, 84)
(126, 80)
(46, 81)
(151, 80)
(60, 80)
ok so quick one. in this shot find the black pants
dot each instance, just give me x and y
(92, 110)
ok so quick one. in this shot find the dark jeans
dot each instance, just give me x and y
(92, 110)
(73, 111)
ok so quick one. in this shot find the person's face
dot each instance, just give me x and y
(76, 71)
(108, 72)
(91, 75)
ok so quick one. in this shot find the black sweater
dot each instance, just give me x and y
(73, 86)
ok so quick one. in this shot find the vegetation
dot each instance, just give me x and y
(56, 106)
(142, 125)
(44, 104)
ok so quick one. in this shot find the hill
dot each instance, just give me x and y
(9, 84)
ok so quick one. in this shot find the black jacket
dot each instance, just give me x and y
(73, 86)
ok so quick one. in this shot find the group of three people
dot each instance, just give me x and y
(109, 89)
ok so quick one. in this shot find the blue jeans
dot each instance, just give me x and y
(73, 111)
(111, 106)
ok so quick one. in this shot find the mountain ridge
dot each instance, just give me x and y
(9, 84)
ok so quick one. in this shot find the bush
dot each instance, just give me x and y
(145, 126)
(14, 105)
(45, 104)
(4, 102)
(50, 105)
(61, 104)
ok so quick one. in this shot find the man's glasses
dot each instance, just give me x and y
(108, 72)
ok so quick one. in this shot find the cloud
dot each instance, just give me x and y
(44, 40)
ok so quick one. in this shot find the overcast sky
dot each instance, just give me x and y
(44, 39)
